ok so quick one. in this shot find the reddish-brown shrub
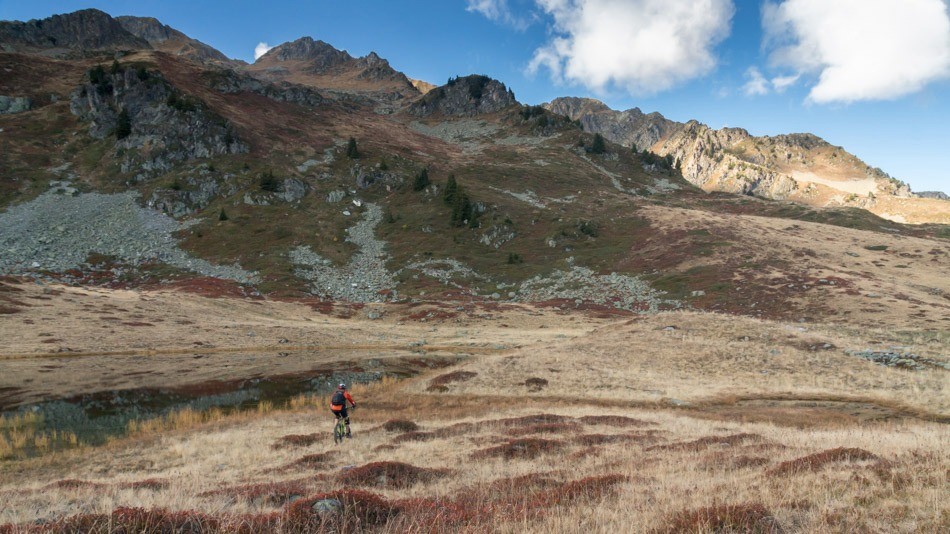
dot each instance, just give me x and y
(390, 475)
(603, 439)
(614, 420)
(583, 490)
(265, 494)
(524, 448)
(400, 425)
(414, 436)
(454, 376)
(706, 441)
(357, 511)
(160, 520)
(814, 462)
(71, 483)
(545, 428)
(520, 485)
(154, 484)
(311, 461)
(297, 440)
(538, 419)
(747, 517)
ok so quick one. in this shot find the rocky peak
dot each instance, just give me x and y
(573, 107)
(630, 128)
(164, 37)
(467, 96)
(85, 30)
(321, 55)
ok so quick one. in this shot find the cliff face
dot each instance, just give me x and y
(88, 30)
(155, 126)
(467, 96)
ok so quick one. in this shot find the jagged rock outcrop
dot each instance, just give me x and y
(939, 195)
(14, 104)
(628, 128)
(231, 82)
(162, 126)
(87, 30)
(193, 194)
(731, 159)
(167, 39)
(465, 97)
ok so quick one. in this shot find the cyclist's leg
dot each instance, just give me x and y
(346, 419)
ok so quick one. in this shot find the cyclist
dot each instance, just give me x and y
(338, 406)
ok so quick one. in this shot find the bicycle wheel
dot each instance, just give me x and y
(338, 431)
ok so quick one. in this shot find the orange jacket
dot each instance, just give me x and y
(338, 407)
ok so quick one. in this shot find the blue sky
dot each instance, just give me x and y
(869, 75)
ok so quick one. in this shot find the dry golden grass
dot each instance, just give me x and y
(204, 463)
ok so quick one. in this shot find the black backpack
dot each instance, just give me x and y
(338, 398)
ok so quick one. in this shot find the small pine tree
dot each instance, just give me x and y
(598, 146)
(633, 147)
(268, 182)
(461, 209)
(352, 151)
(451, 189)
(123, 125)
(97, 75)
(141, 73)
(421, 181)
(514, 258)
(222, 216)
(116, 68)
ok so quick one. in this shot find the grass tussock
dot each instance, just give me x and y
(400, 425)
(440, 384)
(520, 449)
(394, 475)
(707, 441)
(311, 461)
(545, 428)
(814, 462)
(265, 494)
(297, 440)
(620, 421)
(752, 518)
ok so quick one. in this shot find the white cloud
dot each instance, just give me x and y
(497, 11)
(781, 83)
(757, 84)
(860, 49)
(261, 49)
(641, 46)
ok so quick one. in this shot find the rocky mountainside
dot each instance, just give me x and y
(88, 30)
(315, 174)
(315, 63)
(167, 39)
(465, 97)
(800, 167)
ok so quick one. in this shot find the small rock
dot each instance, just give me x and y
(327, 506)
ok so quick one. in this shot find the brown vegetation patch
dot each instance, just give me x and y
(524, 448)
(137, 520)
(538, 419)
(707, 441)
(265, 494)
(747, 517)
(390, 475)
(730, 462)
(312, 461)
(579, 491)
(415, 436)
(614, 420)
(454, 376)
(137, 323)
(814, 462)
(344, 510)
(545, 428)
(520, 485)
(296, 440)
(605, 439)
(400, 425)
(74, 484)
(152, 484)
(535, 384)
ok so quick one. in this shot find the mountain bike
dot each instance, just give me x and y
(339, 429)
